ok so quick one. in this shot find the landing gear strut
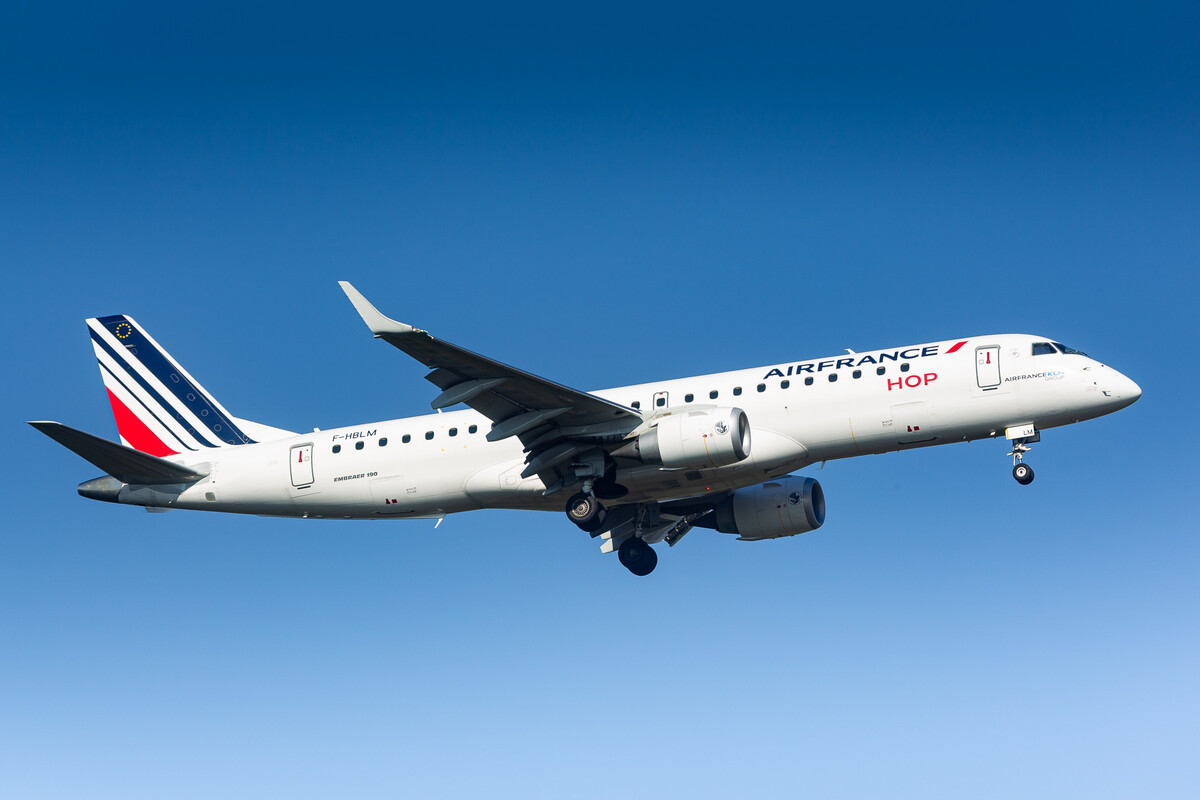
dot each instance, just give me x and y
(586, 511)
(637, 556)
(1022, 472)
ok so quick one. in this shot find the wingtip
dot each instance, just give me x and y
(377, 322)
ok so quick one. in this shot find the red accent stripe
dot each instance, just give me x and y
(134, 431)
(960, 344)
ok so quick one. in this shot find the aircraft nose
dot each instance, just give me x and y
(1130, 390)
(1125, 389)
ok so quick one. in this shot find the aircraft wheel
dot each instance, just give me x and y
(586, 512)
(1023, 474)
(637, 556)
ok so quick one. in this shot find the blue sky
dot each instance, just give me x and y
(604, 195)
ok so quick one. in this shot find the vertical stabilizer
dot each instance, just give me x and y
(160, 409)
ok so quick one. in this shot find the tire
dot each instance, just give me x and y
(647, 563)
(597, 521)
(1023, 473)
(637, 556)
(585, 511)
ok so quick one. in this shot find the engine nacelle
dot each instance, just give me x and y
(771, 510)
(700, 439)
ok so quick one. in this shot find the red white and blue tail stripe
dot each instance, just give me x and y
(160, 409)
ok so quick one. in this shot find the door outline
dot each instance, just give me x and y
(913, 423)
(665, 400)
(987, 367)
(300, 463)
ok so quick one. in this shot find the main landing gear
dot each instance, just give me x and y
(590, 515)
(586, 511)
(637, 556)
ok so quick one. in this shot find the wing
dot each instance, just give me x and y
(556, 424)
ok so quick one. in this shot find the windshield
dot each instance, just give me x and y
(1070, 351)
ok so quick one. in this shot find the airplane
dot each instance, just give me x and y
(633, 466)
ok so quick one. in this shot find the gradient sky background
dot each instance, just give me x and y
(603, 194)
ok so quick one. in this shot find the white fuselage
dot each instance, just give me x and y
(800, 413)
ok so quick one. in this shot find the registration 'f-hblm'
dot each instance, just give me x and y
(634, 466)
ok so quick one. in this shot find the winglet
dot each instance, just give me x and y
(378, 323)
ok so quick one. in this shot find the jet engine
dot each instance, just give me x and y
(699, 439)
(772, 510)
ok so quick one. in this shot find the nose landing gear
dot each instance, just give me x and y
(1022, 472)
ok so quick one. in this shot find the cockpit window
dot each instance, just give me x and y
(1070, 351)
(1043, 349)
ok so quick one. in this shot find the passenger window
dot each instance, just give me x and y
(358, 445)
(660, 402)
(454, 431)
(737, 390)
(712, 395)
(832, 377)
(337, 448)
(473, 429)
(406, 438)
(784, 384)
(1043, 349)
(636, 404)
(808, 381)
(904, 367)
(383, 442)
(762, 387)
(428, 434)
(687, 398)
(857, 374)
(880, 370)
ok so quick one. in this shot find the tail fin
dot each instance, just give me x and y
(160, 409)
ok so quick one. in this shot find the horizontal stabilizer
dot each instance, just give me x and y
(123, 463)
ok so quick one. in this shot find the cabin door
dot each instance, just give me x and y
(302, 469)
(987, 367)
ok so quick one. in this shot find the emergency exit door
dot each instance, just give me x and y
(302, 469)
(987, 366)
